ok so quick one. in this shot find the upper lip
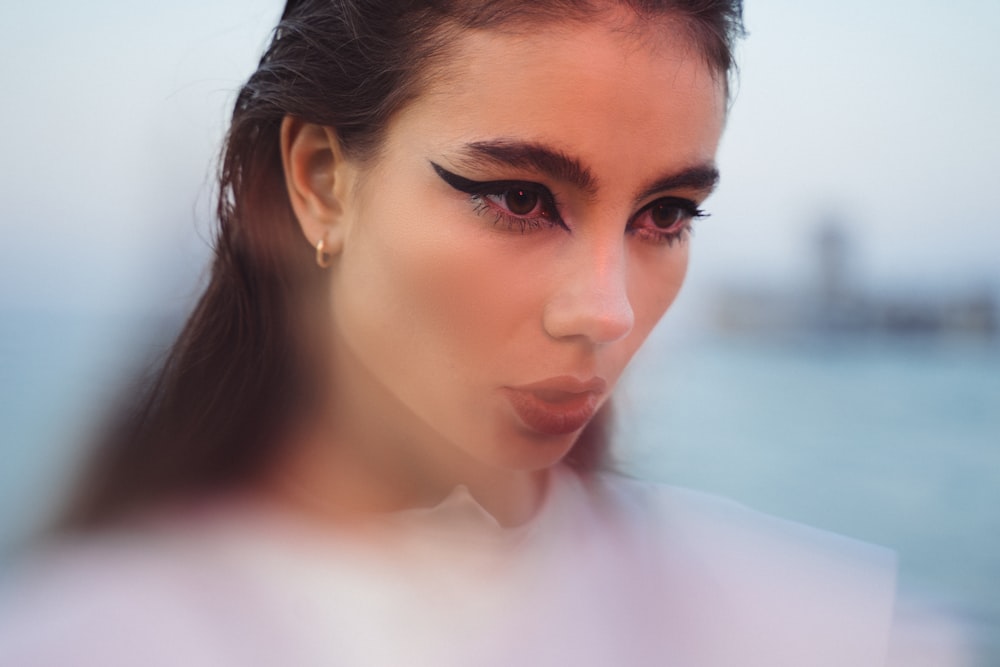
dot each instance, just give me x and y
(565, 384)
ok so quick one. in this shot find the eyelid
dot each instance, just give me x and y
(688, 205)
(694, 200)
(484, 188)
(468, 186)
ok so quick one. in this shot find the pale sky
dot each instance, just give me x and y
(882, 113)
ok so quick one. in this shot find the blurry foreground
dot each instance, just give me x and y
(889, 439)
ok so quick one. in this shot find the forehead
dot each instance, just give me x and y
(608, 95)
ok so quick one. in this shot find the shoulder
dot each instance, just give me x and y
(769, 586)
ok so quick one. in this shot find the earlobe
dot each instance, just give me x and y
(314, 174)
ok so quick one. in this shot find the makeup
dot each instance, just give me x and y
(517, 205)
(524, 206)
(556, 406)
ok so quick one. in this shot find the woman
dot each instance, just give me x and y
(445, 228)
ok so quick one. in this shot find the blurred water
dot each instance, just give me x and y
(894, 442)
(59, 373)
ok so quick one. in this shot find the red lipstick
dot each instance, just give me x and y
(556, 406)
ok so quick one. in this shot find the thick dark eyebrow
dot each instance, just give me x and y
(535, 157)
(701, 178)
(562, 167)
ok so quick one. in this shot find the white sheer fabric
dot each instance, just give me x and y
(609, 572)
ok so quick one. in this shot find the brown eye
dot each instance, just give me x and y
(665, 215)
(665, 220)
(521, 202)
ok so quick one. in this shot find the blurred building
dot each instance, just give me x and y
(832, 302)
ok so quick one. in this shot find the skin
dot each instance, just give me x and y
(435, 308)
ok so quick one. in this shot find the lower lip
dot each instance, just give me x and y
(553, 417)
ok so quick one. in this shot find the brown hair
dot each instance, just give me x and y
(213, 415)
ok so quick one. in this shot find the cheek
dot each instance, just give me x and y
(428, 299)
(653, 286)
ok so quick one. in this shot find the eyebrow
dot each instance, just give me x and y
(535, 157)
(703, 178)
(560, 166)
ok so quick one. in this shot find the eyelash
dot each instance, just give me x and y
(481, 191)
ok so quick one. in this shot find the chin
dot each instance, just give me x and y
(527, 451)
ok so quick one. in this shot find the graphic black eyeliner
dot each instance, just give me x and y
(688, 206)
(471, 187)
(481, 190)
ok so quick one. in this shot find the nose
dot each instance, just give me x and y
(591, 299)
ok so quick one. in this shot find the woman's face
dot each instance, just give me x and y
(522, 231)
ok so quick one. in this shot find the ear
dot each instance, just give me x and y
(318, 179)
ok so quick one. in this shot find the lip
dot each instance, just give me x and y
(558, 405)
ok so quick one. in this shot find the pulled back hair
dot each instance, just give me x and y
(214, 414)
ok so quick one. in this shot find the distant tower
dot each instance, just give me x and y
(833, 251)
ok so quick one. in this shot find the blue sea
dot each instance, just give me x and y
(893, 441)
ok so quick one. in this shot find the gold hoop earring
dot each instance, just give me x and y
(323, 258)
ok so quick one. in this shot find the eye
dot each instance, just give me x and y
(516, 205)
(521, 202)
(665, 215)
(666, 220)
